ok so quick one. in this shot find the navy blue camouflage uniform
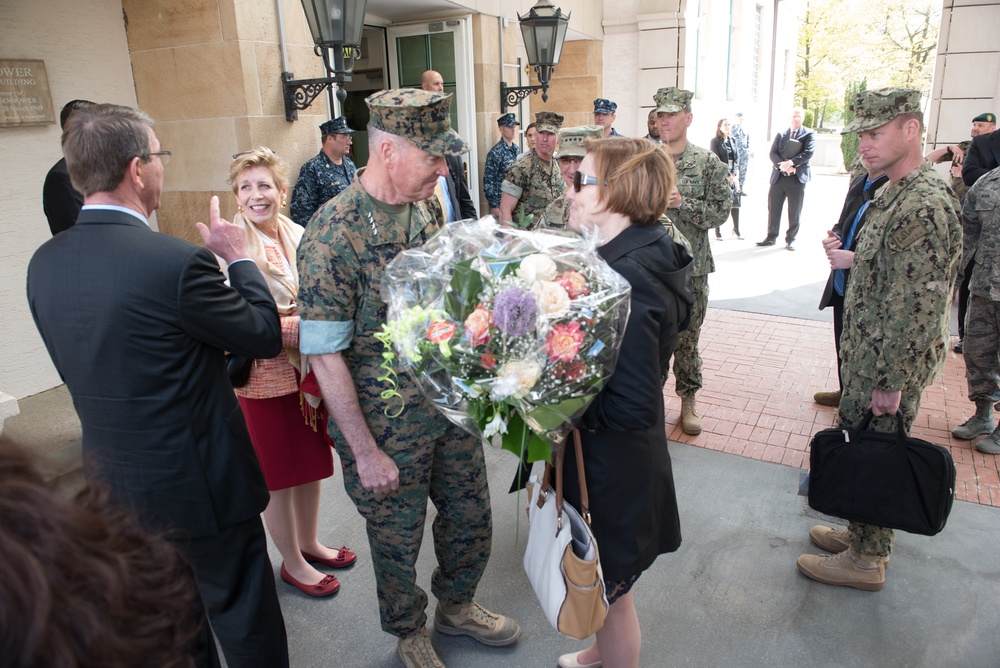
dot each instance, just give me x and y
(500, 157)
(320, 180)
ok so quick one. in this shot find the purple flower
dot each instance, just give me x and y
(515, 311)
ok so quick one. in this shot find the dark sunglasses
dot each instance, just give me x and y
(580, 179)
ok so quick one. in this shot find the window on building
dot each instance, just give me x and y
(757, 16)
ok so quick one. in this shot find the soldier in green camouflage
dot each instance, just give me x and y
(981, 243)
(701, 202)
(532, 182)
(568, 154)
(896, 308)
(981, 124)
(396, 456)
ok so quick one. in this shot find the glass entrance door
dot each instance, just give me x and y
(445, 46)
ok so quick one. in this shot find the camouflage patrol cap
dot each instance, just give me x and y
(420, 116)
(671, 100)
(874, 108)
(985, 118)
(571, 140)
(548, 121)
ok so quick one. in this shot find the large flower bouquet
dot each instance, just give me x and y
(506, 331)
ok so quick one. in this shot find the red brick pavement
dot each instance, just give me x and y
(760, 374)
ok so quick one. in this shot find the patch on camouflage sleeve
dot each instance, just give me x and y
(914, 230)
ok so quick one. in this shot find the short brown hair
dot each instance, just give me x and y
(261, 156)
(99, 143)
(636, 177)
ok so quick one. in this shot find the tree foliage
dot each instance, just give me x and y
(883, 42)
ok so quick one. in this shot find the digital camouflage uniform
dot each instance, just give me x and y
(742, 141)
(319, 180)
(981, 226)
(535, 184)
(500, 157)
(897, 308)
(956, 182)
(571, 144)
(341, 260)
(703, 182)
(557, 214)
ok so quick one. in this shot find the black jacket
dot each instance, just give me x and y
(627, 464)
(460, 197)
(60, 200)
(983, 156)
(801, 160)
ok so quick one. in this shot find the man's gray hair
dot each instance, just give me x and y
(377, 136)
(99, 143)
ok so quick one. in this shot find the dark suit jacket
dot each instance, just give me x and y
(855, 198)
(136, 323)
(801, 161)
(461, 199)
(60, 200)
(983, 156)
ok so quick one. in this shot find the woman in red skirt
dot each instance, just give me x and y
(287, 424)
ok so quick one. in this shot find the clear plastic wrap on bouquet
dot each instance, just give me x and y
(506, 331)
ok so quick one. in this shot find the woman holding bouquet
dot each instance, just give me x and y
(619, 192)
(283, 414)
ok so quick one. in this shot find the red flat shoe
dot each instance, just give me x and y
(328, 586)
(343, 559)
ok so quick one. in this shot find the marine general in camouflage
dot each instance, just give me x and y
(533, 181)
(896, 307)
(981, 244)
(503, 154)
(569, 152)
(396, 453)
(701, 202)
(325, 175)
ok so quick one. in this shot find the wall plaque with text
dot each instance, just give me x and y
(24, 93)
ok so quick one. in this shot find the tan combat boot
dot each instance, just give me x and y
(416, 651)
(849, 568)
(834, 540)
(827, 398)
(690, 420)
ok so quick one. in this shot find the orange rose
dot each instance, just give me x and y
(489, 361)
(477, 326)
(440, 330)
(563, 342)
(574, 283)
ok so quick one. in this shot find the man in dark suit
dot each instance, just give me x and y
(983, 156)
(788, 178)
(136, 324)
(61, 202)
(458, 187)
(839, 246)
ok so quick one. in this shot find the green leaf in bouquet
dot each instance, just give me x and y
(466, 287)
(553, 416)
(520, 437)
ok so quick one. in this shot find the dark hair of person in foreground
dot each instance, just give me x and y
(83, 586)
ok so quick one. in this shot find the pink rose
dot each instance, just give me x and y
(563, 342)
(574, 283)
(477, 326)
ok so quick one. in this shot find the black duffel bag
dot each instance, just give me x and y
(886, 479)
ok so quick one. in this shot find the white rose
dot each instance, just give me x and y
(516, 378)
(552, 298)
(537, 267)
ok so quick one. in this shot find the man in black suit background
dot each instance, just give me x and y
(61, 202)
(456, 183)
(136, 323)
(788, 178)
(983, 156)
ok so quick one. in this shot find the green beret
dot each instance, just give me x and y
(420, 116)
(874, 108)
(985, 118)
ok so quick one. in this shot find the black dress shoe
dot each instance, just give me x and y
(960, 346)
(766, 242)
(789, 246)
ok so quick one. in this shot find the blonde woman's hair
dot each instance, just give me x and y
(261, 156)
